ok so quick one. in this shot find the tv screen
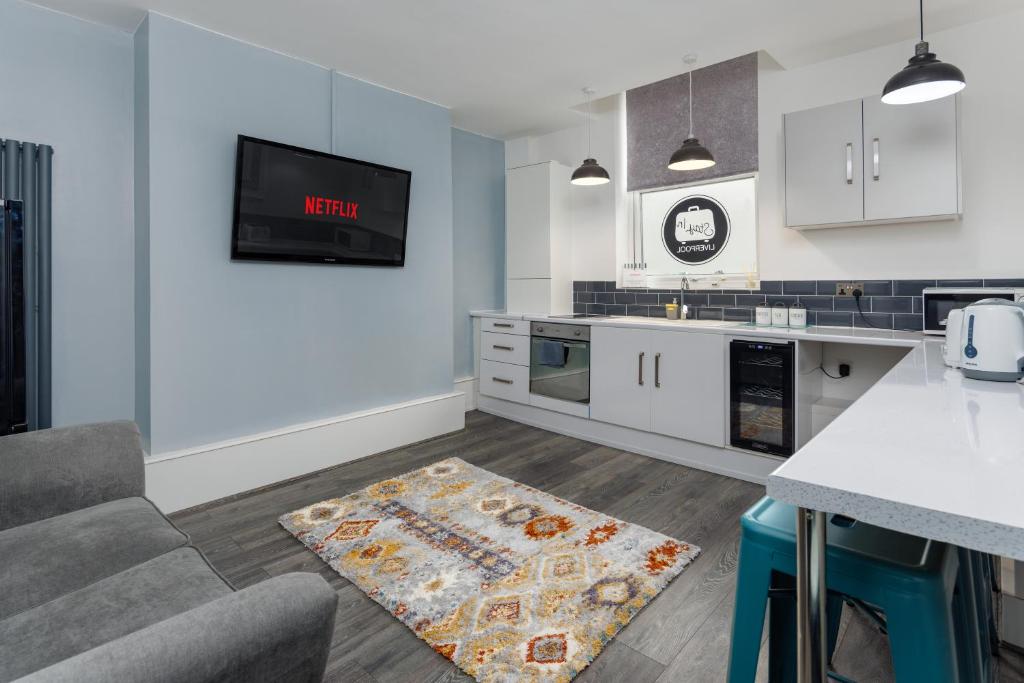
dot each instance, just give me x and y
(294, 204)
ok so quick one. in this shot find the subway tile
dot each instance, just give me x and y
(918, 304)
(579, 308)
(799, 287)
(787, 300)
(738, 314)
(910, 287)
(908, 321)
(1004, 282)
(646, 298)
(817, 303)
(812, 318)
(892, 304)
(709, 314)
(668, 298)
(695, 299)
(633, 309)
(596, 308)
(961, 283)
(882, 321)
(750, 299)
(826, 318)
(579, 285)
(826, 287)
(604, 298)
(615, 309)
(593, 286)
(585, 297)
(770, 287)
(624, 298)
(878, 288)
(656, 311)
(848, 303)
(721, 299)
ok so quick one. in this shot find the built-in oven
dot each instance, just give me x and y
(761, 396)
(939, 301)
(560, 361)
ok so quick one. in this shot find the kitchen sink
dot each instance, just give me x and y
(681, 323)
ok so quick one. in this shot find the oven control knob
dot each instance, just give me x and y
(577, 333)
(540, 329)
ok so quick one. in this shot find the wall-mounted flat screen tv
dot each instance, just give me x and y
(294, 204)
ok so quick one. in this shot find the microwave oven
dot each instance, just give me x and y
(939, 301)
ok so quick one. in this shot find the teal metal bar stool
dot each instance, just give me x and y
(921, 586)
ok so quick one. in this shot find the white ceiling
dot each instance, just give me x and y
(515, 67)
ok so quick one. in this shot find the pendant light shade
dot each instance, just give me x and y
(692, 156)
(924, 77)
(589, 172)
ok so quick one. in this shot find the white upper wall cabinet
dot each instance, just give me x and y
(824, 163)
(910, 154)
(864, 162)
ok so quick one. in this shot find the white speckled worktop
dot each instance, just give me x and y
(924, 451)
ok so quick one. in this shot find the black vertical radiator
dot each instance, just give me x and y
(25, 286)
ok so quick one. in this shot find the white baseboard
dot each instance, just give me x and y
(467, 386)
(726, 461)
(182, 479)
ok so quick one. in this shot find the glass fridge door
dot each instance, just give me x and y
(761, 397)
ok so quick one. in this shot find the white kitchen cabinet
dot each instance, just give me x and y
(910, 154)
(864, 163)
(824, 163)
(668, 382)
(538, 239)
(620, 376)
(505, 380)
(688, 393)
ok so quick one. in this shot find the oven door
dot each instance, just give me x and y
(560, 369)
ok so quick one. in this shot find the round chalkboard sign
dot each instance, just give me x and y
(696, 230)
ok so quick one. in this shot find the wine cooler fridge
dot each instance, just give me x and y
(761, 396)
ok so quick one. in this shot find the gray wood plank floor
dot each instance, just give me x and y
(683, 635)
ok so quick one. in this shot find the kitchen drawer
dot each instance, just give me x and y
(505, 326)
(504, 380)
(505, 348)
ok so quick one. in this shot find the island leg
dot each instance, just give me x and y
(811, 594)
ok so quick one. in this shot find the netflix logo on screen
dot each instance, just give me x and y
(325, 206)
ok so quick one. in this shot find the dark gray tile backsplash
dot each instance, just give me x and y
(886, 304)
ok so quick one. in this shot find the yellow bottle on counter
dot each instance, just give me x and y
(672, 310)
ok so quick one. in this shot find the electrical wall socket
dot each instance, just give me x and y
(846, 288)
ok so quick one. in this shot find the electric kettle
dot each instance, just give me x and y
(988, 342)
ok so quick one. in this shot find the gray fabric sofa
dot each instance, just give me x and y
(97, 585)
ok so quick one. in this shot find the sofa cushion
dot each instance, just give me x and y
(110, 608)
(49, 558)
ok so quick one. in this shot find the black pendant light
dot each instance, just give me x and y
(692, 156)
(589, 172)
(924, 77)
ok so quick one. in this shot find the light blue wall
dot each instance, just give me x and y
(241, 348)
(478, 205)
(68, 83)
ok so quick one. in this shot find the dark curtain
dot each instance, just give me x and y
(26, 175)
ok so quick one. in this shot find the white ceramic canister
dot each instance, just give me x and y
(798, 316)
(763, 316)
(780, 315)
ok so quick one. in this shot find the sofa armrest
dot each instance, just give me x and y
(277, 630)
(54, 471)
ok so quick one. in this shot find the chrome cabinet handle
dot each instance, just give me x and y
(502, 348)
(657, 370)
(503, 324)
(849, 163)
(502, 380)
(874, 148)
(640, 369)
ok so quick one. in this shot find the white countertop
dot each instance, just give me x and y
(924, 451)
(843, 335)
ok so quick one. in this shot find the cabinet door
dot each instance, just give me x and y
(620, 376)
(824, 161)
(688, 396)
(528, 222)
(910, 159)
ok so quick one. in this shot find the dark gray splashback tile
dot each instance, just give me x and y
(961, 283)
(738, 314)
(817, 303)
(1004, 282)
(892, 304)
(833, 319)
(615, 309)
(878, 288)
(722, 299)
(750, 299)
(633, 309)
(787, 300)
(799, 286)
(908, 321)
(770, 287)
(910, 287)
(882, 321)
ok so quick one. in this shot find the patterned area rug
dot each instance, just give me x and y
(510, 583)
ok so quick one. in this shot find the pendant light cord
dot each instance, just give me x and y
(921, 15)
(586, 91)
(690, 101)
